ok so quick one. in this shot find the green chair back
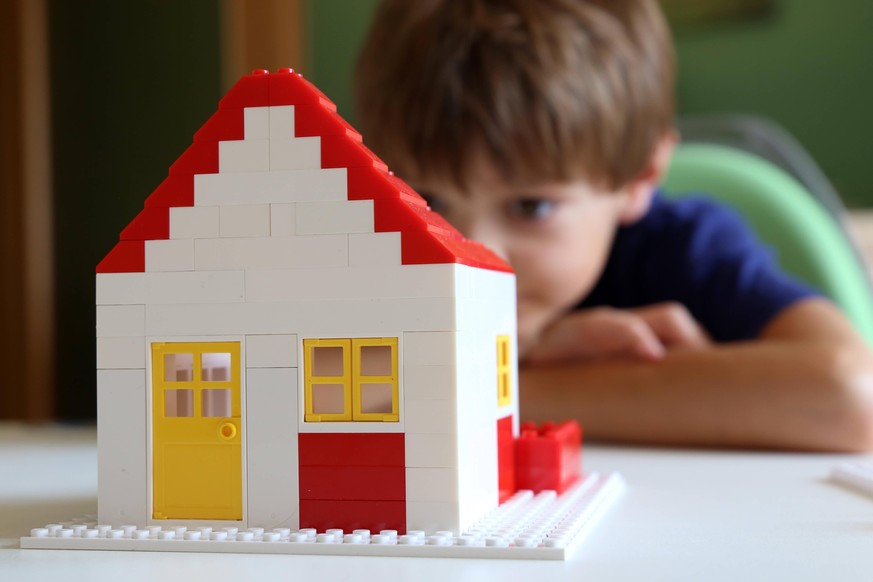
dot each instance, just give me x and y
(809, 243)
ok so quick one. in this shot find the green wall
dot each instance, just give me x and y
(131, 83)
(336, 31)
(809, 66)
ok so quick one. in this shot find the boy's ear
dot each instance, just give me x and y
(639, 192)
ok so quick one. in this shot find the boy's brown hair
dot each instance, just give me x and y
(550, 89)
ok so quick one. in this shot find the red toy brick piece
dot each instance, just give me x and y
(152, 223)
(548, 457)
(398, 216)
(505, 459)
(352, 449)
(350, 483)
(372, 184)
(125, 257)
(350, 515)
(290, 88)
(177, 190)
(250, 91)
(339, 151)
(201, 157)
(225, 124)
(317, 121)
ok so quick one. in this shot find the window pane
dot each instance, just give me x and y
(327, 361)
(178, 367)
(376, 398)
(375, 360)
(215, 367)
(328, 399)
(216, 402)
(178, 403)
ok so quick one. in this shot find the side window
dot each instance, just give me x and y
(504, 386)
(350, 380)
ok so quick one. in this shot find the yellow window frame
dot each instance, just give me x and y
(352, 380)
(311, 380)
(360, 380)
(504, 385)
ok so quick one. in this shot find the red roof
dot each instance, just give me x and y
(426, 238)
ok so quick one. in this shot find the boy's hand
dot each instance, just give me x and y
(645, 333)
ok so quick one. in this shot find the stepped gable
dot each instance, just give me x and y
(426, 238)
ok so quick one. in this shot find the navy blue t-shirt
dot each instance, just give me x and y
(701, 253)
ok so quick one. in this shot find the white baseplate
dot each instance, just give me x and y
(545, 526)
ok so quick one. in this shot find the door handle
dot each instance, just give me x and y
(227, 430)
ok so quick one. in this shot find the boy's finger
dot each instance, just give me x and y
(674, 325)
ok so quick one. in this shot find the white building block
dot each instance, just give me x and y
(431, 516)
(121, 288)
(121, 446)
(353, 318)
(246, 155)
(429, 348)
(244, 220)
(271, 252)
(431, 450)
(271, 448)
(270, 187)
(432, 484)
(257, 122)
(283, 220)
(271, 351)
(352, 216)
(431, 417)
(430, 382)
(328, 283)
(195, 287)
(121, 352)
(374, 249)
(299, 153)
(169, 255)
(281, 122)
(193, 222)
(120, 320)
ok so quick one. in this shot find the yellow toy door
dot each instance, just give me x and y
(196, 432)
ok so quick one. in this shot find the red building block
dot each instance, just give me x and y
(351, 483)
(177, 190)
(225, 124)
(351, 450)
(340, 151)
(548, 457)
(250, 91)
(126, 256)
(311, 120)
(152, 223)
(290, 88)
(201, 157)
(368, 183)
(505, 459)
(350, 515)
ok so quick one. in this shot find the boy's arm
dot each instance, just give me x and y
(806, 383)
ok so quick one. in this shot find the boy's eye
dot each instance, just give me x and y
(531, 208)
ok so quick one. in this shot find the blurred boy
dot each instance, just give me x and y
(542, 128)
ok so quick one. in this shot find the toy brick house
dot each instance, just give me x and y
(287, 336)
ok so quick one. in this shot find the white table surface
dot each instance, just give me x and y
(687, 515)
